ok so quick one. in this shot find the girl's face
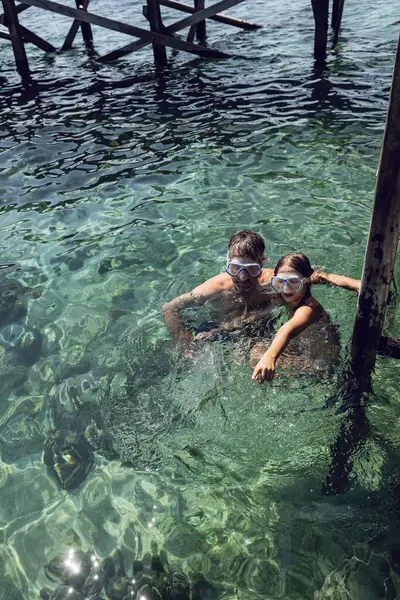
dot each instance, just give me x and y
(289, 295)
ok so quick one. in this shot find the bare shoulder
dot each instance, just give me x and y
(202, 293)
(316, 308)
(214, 286)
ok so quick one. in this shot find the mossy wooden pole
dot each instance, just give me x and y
(321, 17)
(153, 14)
(11, 21)
(382, 241)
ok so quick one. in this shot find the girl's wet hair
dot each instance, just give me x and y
(247, 243)
(296, 261)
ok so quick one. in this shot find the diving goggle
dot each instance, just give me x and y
(252, 269)
(288, 283)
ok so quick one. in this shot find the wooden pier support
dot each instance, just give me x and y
(382, 242)
(69, 40)
(321, 17)
(195, 17)
(11, 21)
(144, 35)
(153, 15)
(335, 7)
(198, 30)
(337, 21)
(85, 27)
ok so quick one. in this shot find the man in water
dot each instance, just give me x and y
(242, 294)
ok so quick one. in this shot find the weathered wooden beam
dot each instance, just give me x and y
(382, 242)
(20, 8)
(338, 23)
(85, 27)
(148, 36)
(198, 30)
(11, 17)
(321, 15)
(219, 18)
(177, 26)
(33, 38)
(69, 40)
(73, 30)
(335, 8)
(154, 17)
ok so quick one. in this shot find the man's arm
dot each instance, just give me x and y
(172, 311)
(319, 277)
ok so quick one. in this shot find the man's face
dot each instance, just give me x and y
(243, 281)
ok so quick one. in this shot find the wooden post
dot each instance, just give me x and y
(85, 27)
(382, 241)
(200, 29)
(20, 8)
(338, 21)
(321, 14)
(335, 8)
(154, 17)
(11, 20)
(145, 36)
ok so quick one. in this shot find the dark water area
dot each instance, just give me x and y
(119, 189)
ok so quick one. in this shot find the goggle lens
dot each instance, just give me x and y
(253, 269)
(287, 284)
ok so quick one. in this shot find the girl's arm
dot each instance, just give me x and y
(302, 318)
(337, 280)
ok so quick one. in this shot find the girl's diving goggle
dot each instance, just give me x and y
(288, 283)
(252, 269)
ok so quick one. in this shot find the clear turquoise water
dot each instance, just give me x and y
(119, 190)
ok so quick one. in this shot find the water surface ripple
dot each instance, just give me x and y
(120, 187)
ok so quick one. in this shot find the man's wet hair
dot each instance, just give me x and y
(247, 243)
(297, 261)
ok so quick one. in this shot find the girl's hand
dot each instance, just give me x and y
(264, 369)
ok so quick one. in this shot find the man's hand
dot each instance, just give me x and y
(187, 349)
(264, 369)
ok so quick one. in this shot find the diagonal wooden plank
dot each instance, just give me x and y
(218, 17)
(5, 36)
(187, 22)
(148, 36)
(69, 40)
(29, 36)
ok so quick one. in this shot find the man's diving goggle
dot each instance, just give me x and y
(288, 283)
(252, 269)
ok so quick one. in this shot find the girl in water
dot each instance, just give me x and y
(292, 281)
